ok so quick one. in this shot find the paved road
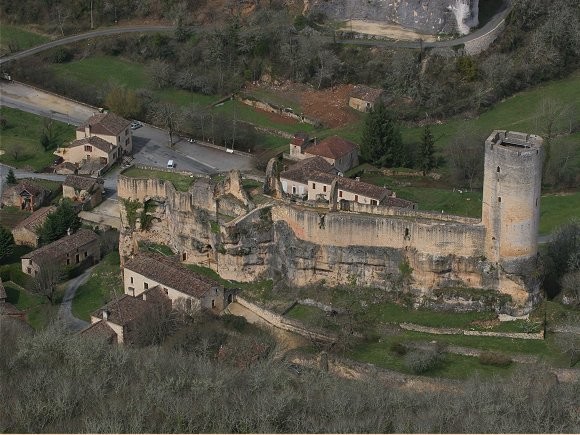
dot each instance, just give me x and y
(92, 34)
(65, 312)
(150, 144)
(159, 28)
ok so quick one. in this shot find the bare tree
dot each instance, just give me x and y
(46, 279)
(167, 116)
(465, 156)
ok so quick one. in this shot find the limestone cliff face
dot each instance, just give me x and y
(425, 16)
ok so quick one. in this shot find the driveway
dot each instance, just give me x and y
(65, 315)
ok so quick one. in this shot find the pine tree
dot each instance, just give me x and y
(381, 142)
(6, 242)
(58, 223)
(10, 178)
(427, 152)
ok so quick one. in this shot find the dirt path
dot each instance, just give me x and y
(392, 31)
(65, 311)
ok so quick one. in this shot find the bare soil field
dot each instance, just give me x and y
(392, 31)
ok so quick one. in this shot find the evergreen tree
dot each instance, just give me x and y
(6, 242)
(381, 141)
(10, 178)
(427, 152)
(58, 222)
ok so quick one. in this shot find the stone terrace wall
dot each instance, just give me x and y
(482, 43)
(399, 232)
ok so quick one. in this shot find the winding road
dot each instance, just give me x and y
(65, 314)
(492, 23)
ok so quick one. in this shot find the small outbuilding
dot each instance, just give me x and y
(364, 98)
(25, 233)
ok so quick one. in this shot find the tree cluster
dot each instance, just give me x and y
(57, 223)
(562, 263)
(56, 382)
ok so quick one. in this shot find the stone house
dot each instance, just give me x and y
(92, 155)
(179, 284)
(119, 320)
(25, 195)
(84, 190)
(82, 247)
(25, 232)
(298, 145)
(295, 180)
(109, 127)
(339, 152)
(364, 98)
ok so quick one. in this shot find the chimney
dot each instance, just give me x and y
(88, 130)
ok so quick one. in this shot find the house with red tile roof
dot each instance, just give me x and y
(109, 127)
(339, 152)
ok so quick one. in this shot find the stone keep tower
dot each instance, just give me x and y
(511, 199)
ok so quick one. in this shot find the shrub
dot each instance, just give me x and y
(494, 359)
(398, 348)
(421, 361)
(235, 322)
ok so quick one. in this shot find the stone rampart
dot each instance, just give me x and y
(287, 324)
(357, 207)
(400, 232)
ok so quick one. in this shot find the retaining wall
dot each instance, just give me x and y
(454, 331)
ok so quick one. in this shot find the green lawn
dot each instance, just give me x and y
(39, 312)
(180, 182)
(557, 209)
(17, 38)
(104, 283)
(274, 98)
(157, 248)
(20, 140)
(12, 216)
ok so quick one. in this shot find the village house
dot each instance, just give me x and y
(119, 320)
(339, 152)
(82, 247)
(364, 98)
(109, 127)
(25, 195)
(91, 155)
(295, 180)
(25, 233)
(298, 145)
(87, 191)
(146, 271)
(319, 185)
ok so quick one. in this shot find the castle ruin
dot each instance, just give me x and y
(307, 242)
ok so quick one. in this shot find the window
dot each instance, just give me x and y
(78, 258)
(145, 285)
(293, 190)
(127, 141)
(314, 185)
(324, 188)
(131, 280)
(213, 303)
(499, 199)
(88, 148)
(86, 254)
(340, 193)
(356, 198)
(374, 202)
(184, 256)
(498, 169)
(127, 132)
(67, 261)
(29, 270)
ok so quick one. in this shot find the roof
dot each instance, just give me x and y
(95, 141)
(32, 188)
(302, 170)
(333, 147)
(366, 93)
(170, 273)
(358, 187)
(124, 310)
(101, 329)
(2, 290)
(397, 202)
(105, 123)
(36, 219)
(8, 309)
(62, 246)
(79, 182)
(299, 138)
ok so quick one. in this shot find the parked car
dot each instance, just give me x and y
(170, 164)
(135, 125)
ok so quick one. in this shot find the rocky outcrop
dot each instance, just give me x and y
(424, 16)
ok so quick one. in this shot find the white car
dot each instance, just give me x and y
(135, 125)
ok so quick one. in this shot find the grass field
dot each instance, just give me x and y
(20, 140)
(39, 312)
(14, 38)
(179, 181)
(105, 282)
(12, 216)
(557, 209)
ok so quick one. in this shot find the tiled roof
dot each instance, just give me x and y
(366, 93)
(333, 147)
(101, 329)
(124, 310)
(302, 170)
(79, 182)
(32, 188)
(62, 246)
(2, 290)
(106, 124)
(36, 219)
(299, 138)
(349, 185)
(397, 202)
(95, 141)
(171, 274)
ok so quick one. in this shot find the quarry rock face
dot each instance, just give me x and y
(424, 16)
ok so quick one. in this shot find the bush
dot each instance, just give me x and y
(235, 322)
(421, 361)
(494, 359)
(398, 348)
